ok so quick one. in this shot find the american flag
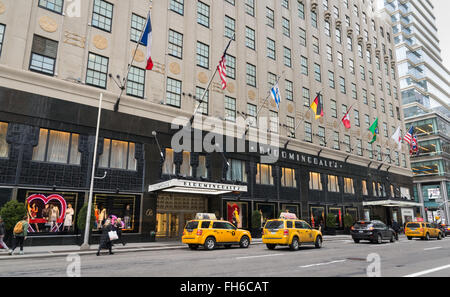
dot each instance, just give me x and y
(409, 136)
(414, 146)
(222, 68)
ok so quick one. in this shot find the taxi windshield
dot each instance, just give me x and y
(275, 225)
(413, 225)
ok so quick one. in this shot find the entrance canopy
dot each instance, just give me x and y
(391, 203)
(195, 187)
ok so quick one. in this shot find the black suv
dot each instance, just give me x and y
(374, 231)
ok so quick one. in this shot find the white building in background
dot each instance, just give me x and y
(425, 91)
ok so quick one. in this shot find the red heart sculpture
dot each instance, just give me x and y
(46, 200)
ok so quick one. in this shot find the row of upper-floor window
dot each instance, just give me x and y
(62, 147)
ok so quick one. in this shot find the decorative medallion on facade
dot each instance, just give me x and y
(175, 68)
(48, 24)
(100, 42)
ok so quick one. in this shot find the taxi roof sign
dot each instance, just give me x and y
(205, 216)
(288, 216)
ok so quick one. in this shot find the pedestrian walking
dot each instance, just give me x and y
(105, 239)
(19, 235)
(119, 226)
(396, 228)
(2, 234)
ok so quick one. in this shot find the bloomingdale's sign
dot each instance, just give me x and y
(301, 158)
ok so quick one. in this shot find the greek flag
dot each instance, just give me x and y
(275, 91)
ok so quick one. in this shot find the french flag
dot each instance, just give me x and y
(147, 41)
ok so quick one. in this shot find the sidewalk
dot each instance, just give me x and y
(65, 250)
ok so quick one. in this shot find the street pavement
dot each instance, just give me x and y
(339, 257)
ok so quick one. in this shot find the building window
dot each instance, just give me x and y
(288, 178)
(271, 49)
(175, 44)
(231, 66)
(43, 55)
(264, 174)
(304, 65)
(4, 146)
(236, 171)
(305, 95)
(53, 5)
(289, 90)
(202, 55)
(317, 75)
(331, 79)
(364, 188)
(286, 27)
(273, 122)
(97, 70)
(342, 85)
(287, 57)
(308, 132)
(177, 6)
(302, 36)
(2, 37)
(203, 108)
(290, 124)
(270, 17)
(333, 107)
(57, 147)
(250, 7)
(314, 19)
(173, 92)
(250, 38)
(203, 14)
(336, 145)
(136, 82)
(230, 109)
(251, 75)
(251, 114)
(137, 24)
(348, 186)
(118, 155)
(333, 183)
(185, 167)
(169, 164)
(202, 170)
(321, 134)
(315, 183)
(230, 27)
(102, 15)
(301, 10)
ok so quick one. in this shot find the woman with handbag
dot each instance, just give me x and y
(108, 231)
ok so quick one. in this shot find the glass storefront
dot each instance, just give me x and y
(267, 209)
(115, 206)
(317, 214)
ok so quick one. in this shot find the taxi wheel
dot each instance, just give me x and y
(210, 243)
(427, 237)
(245, 242)
(294, 245)
(318, 243)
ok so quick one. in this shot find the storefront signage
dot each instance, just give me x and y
(185, 186)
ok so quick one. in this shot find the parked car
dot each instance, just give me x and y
(422, 230)
(445, 229)
(374, 231)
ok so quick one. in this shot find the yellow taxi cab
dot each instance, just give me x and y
(205, 230)
(290, 231)
(422, 230)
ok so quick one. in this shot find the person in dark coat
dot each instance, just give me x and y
(396, 228)
(105, 242)
(118, 227)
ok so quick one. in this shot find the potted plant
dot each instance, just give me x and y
(256, 224)
(81, 221)
(348, 223)
(331, 224)
(11, 213)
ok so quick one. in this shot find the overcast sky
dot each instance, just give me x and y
(442, 14)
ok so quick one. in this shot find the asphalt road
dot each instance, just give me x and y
(340, 258)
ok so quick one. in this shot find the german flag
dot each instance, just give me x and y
(317, 106)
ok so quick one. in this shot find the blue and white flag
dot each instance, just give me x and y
(275, 91)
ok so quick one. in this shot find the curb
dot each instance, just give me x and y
(55, 254)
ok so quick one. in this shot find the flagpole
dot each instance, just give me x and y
(87, 227)
(210, 82)
(116, 105)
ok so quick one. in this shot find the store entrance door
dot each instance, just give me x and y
(171, 224)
